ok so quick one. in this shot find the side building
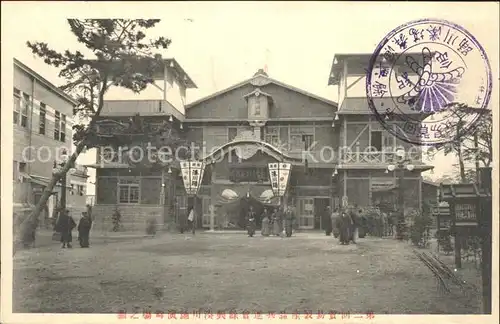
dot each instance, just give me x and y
(42, 118)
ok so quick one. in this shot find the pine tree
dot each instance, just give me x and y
(121, 56)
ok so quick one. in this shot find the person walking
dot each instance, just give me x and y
(84, 226)
(65, 226)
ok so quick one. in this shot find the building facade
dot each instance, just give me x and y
(42, 118)
(241, 129)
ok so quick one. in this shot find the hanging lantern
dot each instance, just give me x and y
(279, 174)
(192, 175)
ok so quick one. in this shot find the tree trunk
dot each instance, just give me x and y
(476, 157)
(26, 223)
(461, 165)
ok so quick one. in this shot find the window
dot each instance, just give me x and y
(43, 114)
(232, 132)
(376, 140)
(18, 168)
(57, 125)
(72, 190)
(15, 170)
(62, 137)
(301, 138)
(256, 110)
(128, 189)
(80, 190)
(22, 167)
(308, 141)
(272, 136)
(306, 212)
(24, 110)
(387, 139)
(17, 106)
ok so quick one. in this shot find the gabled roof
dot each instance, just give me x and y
(269, 80)
(45, 82)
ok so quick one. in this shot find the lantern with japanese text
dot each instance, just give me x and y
(192, 176)
(279, 174)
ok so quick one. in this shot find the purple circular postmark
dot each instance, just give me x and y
(416, 74)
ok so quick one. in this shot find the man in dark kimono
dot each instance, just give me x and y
(84, 230)
(65, 225)
(251, 222)
(327, 221)
(344, 226)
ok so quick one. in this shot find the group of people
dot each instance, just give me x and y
(344, 224)
(65, 225)
(281, 219)
(350, 223)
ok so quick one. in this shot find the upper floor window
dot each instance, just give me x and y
(43, 117)
(57, 125)
(381, 139)
(63, 128)
(256, 110)
(60, 126)
(376, 140)
(21, 108)
(80, 190)
(17, 106)
(232, 132)
(272, 135)
(25, 109)
(301, 138)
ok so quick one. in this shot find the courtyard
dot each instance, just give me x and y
(308, 272)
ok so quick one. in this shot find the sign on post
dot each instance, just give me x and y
(192, 176)
(279, 174)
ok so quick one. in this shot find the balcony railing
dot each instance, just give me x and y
(115, 108)
(376, 158)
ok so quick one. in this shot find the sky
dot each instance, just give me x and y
(219, 44)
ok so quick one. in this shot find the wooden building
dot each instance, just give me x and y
(242, 128)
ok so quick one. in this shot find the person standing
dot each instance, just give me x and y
(334, 217)
(192, 220)
(251, 222)
(65, 226)
(344, 226)
(327, 219)
(84, 226)
(354, 225)
(289, 218)
(265, 230)
(276, 225)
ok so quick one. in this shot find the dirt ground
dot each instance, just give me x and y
(232, 273)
